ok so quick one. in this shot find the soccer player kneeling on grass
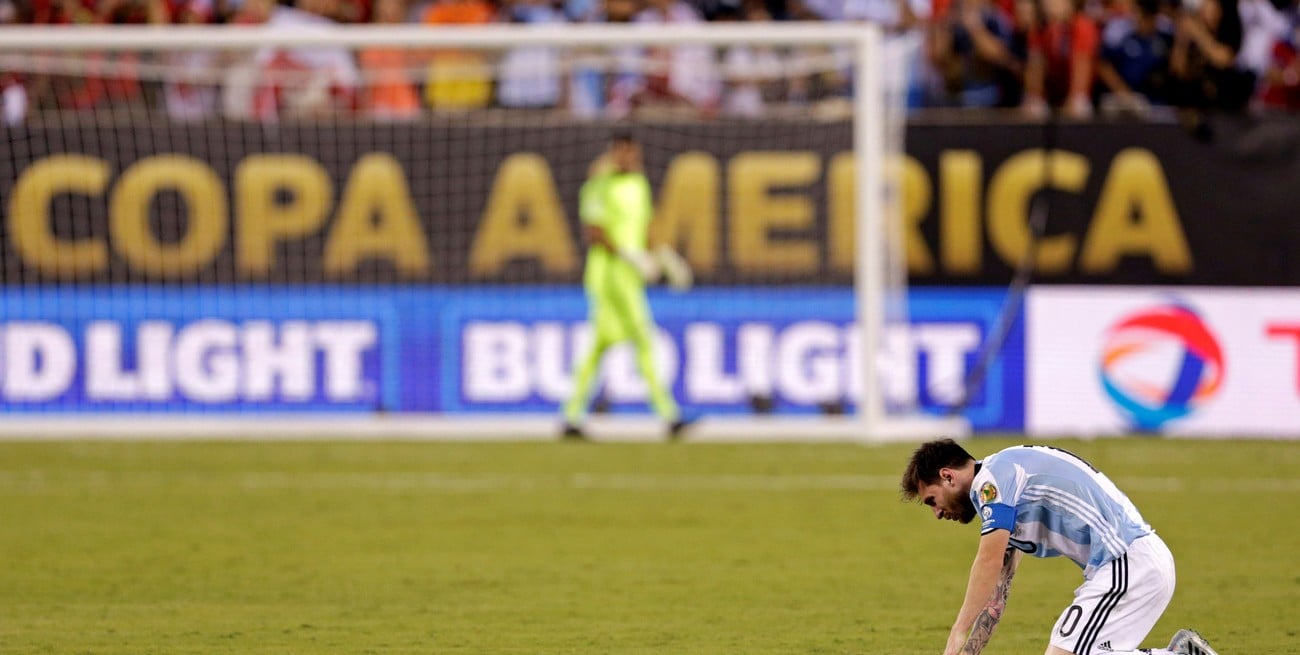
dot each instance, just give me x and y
(616, 207)
(1046, 502)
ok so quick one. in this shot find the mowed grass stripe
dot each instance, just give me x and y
(451, 482)
(201, 548)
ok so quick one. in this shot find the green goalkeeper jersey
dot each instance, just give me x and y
(621, 205)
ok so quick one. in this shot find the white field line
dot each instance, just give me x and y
(438, 427)
(50, 480)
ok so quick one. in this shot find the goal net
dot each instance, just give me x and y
(376, 228)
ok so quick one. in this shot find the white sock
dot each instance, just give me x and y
(1140, 651)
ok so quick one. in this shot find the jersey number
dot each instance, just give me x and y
(1071, 620)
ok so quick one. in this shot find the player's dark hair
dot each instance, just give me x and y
(926, 461)
(622, 138)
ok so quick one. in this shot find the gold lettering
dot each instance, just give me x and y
(914, 189)
(756, 214)
(1135, 216)
(1010, 191)
(960, 240)
(206, 215)
(376, 219)
(918, 195)
(841, 209)
(262, 221)
(688, 209)
(30, 218)
(523, 220)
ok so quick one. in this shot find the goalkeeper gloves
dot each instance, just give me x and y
(677, 273)
(646, 266)
(662, 262)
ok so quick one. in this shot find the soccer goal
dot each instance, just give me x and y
(307, 229)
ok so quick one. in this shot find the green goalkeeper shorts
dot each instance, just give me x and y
(620, 312)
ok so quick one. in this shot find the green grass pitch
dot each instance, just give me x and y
(683, 549)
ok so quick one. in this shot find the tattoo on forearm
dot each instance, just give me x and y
(988, 619)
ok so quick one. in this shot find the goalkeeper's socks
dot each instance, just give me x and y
(585, 375)
(661, 399)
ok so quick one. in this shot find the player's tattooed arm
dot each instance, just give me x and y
(988, 619)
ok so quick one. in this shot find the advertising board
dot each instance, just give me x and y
(1193, 361)
(480, 350)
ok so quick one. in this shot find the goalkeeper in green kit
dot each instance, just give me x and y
(616, 208)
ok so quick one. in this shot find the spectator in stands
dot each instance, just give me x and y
(624, 85)
(195, 12)
(250, 90)
(317, 81)
(896, 18)
(1202, 54)
(1203, 60)
(1114, 19)
(684, 75)
(806, 83)
(388, 91)
(586, 81)
(752, 73)
(121, 84)
(1281, 88)
(607, 81)
(968, 43)
(116, 74)
(1262, 26)
(1134, 69)
(893, 16)
(13, 95)
(133, 12)
(253, 12)
(1026, 19)
(189, 93)
(1062, 61)
(355, 11)
(458, 80)
(242, 72)
(321, 12)
(817, 10)
(581, 11)
(291, 83)
(64, 12)
(530, 76)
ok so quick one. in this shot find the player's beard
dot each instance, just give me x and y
(967, 510)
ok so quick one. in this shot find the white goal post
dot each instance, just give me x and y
(874, 263)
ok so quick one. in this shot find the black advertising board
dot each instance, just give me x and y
(747, 203)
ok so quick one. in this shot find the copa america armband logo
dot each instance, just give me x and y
(988, 493)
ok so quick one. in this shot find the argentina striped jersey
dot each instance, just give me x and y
(1055, 503)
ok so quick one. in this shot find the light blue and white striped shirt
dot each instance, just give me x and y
(1055, 503)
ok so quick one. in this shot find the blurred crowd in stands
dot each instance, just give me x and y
(1081, 57)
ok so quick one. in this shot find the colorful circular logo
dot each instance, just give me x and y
(1161, 364)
